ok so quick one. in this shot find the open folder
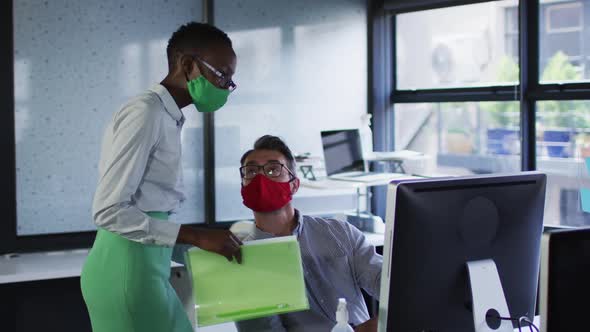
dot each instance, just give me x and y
(268, 282)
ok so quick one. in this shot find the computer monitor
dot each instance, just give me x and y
(565, 280)
(342, 151)
(445, 240)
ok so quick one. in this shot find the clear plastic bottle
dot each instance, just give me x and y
(366, 135)
(342, 318)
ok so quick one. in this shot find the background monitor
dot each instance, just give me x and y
(342, 151)
(434, 227)
(565, 280)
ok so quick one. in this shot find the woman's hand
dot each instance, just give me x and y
(219, 241)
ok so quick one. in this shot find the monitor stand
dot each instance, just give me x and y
(487, 297)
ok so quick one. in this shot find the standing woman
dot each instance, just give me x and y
(125, 278)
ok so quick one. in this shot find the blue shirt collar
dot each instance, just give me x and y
(260, 234)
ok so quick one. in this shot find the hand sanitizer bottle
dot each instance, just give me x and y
(342, 318)
(366, 136)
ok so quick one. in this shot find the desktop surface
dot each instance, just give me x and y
(369, 177)
(400, 155)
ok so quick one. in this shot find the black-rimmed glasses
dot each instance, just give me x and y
(222, 79)
(271, 170)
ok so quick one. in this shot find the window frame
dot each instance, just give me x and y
(529, 90)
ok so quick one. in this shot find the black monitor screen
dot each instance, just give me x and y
(568, 281)
(436, 226)
(342, 151)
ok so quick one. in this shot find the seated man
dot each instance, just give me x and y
(337, 259)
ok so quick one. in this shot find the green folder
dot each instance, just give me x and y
(268, 282)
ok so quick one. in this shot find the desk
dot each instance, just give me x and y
(330, 184)
(53, 265)
(396, 159)
(362, 216)
(68, 264)
(41, 266)
(17, 270)
(44, 266)
(27, 279)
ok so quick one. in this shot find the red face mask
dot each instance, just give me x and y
(264, 195)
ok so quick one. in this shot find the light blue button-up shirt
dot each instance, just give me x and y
(140, 169)
(337, 262)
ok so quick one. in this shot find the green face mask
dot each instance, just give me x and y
(206, 96)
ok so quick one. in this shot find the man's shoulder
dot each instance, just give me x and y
(321, 222)
(330, 229)
(327, 237)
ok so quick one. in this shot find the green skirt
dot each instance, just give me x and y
(126, 287)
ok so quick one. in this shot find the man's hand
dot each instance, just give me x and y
(219, 241)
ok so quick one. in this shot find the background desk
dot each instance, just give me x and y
(41, 291)
(329, 184)
(359, 215)
(68, 264)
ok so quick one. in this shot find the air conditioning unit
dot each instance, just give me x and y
(461, 58)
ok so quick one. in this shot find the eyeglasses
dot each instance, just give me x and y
(222, 79)
(271, 170)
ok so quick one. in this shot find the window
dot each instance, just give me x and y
(455, 47)
(472, 124)
(68, 84)
(470, 46)
(292, 85)
(462, 138)
(511, 31)
(563, 145)
(562, 126)
(564, 17)
(563, 30)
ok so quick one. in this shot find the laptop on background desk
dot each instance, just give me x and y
(343, 155)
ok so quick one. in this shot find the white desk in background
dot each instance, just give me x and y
(396, 159)
(46, 265)
(49, 265)
(331, 184)
(361, 215)
(41, 266)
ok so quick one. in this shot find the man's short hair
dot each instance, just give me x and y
(192, 36)
(273, 143)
